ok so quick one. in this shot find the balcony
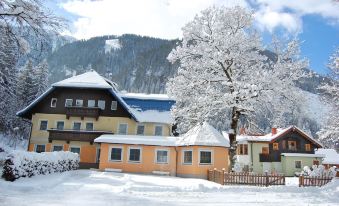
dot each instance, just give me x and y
(269, 157)
(83, 112)
(75, 135)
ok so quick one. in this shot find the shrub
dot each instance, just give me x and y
(319, 171)
(27, 164)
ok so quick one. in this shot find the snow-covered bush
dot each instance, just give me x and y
(319, 171)
(26, 164)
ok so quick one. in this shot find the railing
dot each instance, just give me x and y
(75, 135)
(83, 112)
(222, 177)
(269, 157)
(306, 181)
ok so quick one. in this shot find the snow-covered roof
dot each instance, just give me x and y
(331, 156)
(137, 139)
(301, 155)
(86, 80)
(203, 135)
(154, 116)
(145, 96)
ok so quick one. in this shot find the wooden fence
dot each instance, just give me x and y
(235, 178)
(306, 181)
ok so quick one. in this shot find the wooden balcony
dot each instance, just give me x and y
(83, 112)
(75, 135)
(269, 157)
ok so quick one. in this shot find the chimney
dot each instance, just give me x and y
(242, 131)
(274, 130)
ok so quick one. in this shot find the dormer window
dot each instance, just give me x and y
(53, 102)
(69, 102)
(79, 103)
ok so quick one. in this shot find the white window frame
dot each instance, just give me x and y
(56, 124)
(156, 156)
(40, 120)
(70, 147)
(183, 156)
(128, 155)
(58, 145)
(119, 128)
(212, 156)
(89, 101)
(86, 125)
(76, 122)
(162, 129)
(136, 131)
(66, 102)
(79, 100)
(103, 102)
(35, 147)
(56, 100)
(301, 164)
(116, 105)
(110, 153)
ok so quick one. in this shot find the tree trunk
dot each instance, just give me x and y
(232, 136)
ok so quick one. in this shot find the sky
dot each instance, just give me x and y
(314, 22)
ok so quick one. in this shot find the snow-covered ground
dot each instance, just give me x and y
(85, 187)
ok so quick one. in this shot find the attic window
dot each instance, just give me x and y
(114, 105)
(308, 147)
(275, 146)
(53, 102)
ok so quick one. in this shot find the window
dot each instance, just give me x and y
(76, 125)
(140, 129)
(158, 130)
(79, 102)
(264, 150)
(91, 103)
(308, 147)
(187, 156)
(292, 145)
(39, 148)
(114, 105)
(297, 164)
(57, 148)
(60, 125)
(89, 126)
(162, 156)
(69, 102)
(101, 104)
(122, 129)
(315, 162)
(283, 144)
(43, 124)
(275, 146)
(242, 149)
(53, 102)
(205, 157)
(134, 155)
(116, 154)
(75, 150)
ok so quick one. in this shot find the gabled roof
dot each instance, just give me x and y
(203, 135)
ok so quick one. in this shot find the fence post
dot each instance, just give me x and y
(301, 180)
(267, 179)
(214, 174)
(223, 176)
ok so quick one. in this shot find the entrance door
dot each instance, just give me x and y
(98, 155)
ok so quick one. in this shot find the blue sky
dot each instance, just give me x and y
(315, 22)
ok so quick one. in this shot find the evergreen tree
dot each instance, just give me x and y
(26, 87)
(41, 78)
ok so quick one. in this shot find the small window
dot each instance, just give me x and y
(53, 102)
(40, 148)
(283, 144)
(264, 150)
(114, 105)
(162, 156)
(89, 126)
(122, 129)
(116, 154)
(187, 157)
(57, 148)
(297, 164)
(158, 130)
(205, 157)
(75, 150)
(91, 103)
(134, 155)
(101, 104)
(140, 129)
(292, 145)
(60, 125)
(308, 147)
(275, 146)
(242, 149)
(43, 125)
(79, 102)
(76, 125)
(69, 102)
(315, 162)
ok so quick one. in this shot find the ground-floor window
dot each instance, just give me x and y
(116, 154)
(162, 156)
(75, 150)
(57, 148)
(40, 148)
(315, 162)
(187, 156)
(297, 164)
(134, 155)
(205, 157)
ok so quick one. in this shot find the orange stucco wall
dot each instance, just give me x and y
(174, 167)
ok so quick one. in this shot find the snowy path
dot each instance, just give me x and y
(84, 187)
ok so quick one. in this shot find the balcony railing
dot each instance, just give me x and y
(83, 112)
(75, 135)
(269, 157)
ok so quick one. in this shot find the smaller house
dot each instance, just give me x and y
(191, 155)
(331, 157)
(282, 151)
